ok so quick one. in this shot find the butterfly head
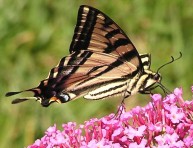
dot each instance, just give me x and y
(153, 78)
(44, 95)
(149, 80)
(157, 77)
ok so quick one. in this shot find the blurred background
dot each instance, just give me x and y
(35, 35)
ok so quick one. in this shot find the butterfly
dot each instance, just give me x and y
(103, 62)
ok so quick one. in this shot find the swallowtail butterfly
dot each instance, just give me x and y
(103, 62)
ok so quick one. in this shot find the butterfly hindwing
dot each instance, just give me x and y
(93, 72)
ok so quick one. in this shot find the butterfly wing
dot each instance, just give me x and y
(95, 31)
(100, 56)
(77, 78)
(100, 53)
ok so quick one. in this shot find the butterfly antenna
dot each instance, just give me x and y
(169, 62)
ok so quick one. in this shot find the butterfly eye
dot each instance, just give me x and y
(156, 77)
(63, 97)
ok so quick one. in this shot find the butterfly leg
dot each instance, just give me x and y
(149, 90)
(122, 107)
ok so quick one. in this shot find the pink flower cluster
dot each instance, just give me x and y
(163, 123)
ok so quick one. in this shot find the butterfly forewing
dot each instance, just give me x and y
(97, 32)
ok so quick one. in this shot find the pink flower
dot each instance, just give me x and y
(170, 140)
(163, 123)
(175, 114)
(140, 145)
(131, 132)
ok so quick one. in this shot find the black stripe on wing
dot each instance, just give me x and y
(146, 60)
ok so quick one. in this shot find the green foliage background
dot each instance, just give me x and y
(35, 34)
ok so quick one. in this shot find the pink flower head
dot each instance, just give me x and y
(163, 123)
